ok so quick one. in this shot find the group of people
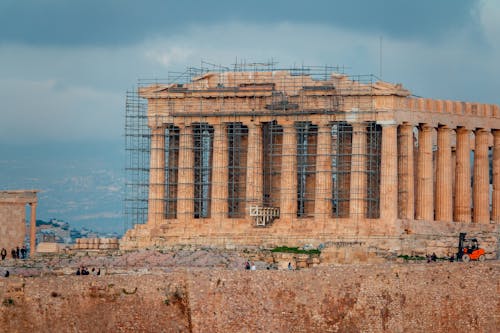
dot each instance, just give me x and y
(82, 270)
(250, 266)
(17, 253)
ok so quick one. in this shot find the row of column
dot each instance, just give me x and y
(436, 203)
(430, 201)
(254, 176)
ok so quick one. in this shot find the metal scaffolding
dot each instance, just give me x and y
(236, 94)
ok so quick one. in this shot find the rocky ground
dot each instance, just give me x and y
(209, 291)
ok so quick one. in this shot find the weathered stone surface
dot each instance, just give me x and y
(436, 297)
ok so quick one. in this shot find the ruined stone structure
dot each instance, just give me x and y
(13, 218)
(290, 157)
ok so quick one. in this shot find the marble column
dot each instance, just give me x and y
(288, 199)
(185, 195)
(444, 181)
(389, 172)
(462, 177)
(357, 207)
(254, 177)
(156, 200)
(323, 190)
(481, 188)
(425, 193)
(220, 173)
(33, 229)
(406, 172)
(496, 177)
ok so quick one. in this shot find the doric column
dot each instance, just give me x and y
(444, 181)
(389, 172)
(185, 195)
(481, 188)
(357, 207)
(156, 203)
(462, 177)
(406, 172)
(288, 200)
(254, 166)
(33, 229)
(323, 191)
(496, 176)
(425, 193)
(220, 172)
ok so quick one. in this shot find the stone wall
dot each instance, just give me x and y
(437, 297)
(12, 225)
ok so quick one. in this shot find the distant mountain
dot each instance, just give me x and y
(79, 182)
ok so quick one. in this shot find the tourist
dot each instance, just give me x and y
(18, 252)
(290, 267)
(7, 274)
(13, 253)
(85, 271)
(23, 252)
(98, 272)
(247, 265)
(252, 267)
(78, 271)
(433, 256)
(3, 253)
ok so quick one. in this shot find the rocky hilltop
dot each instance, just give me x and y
(213, 297)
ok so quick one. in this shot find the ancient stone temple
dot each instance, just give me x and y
(13, 218)
(308, 155)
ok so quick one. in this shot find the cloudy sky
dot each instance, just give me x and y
(66, 65)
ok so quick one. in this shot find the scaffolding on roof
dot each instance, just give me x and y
(237, 92)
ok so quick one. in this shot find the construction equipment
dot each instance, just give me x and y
(468, 249)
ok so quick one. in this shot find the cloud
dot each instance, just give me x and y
(41, 110)
(489, 13)
(128, 22)
(57, 93)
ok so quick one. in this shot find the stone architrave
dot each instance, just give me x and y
(481, 188)
(425, 193)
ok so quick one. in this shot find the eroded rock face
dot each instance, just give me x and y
(436, 297)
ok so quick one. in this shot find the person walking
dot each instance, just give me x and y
(3, 253)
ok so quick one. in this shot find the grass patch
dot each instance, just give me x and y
(287, 249)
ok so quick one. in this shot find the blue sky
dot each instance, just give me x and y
(66, 65)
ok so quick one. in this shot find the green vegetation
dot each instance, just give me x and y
(287, 249)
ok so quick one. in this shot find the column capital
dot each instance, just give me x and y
(495, 132)
(481, 130)
(463, 129)
(253, 124)
(387, 123)
(425, 127)
(356, 126)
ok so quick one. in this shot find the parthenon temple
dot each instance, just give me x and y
(261, 157)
